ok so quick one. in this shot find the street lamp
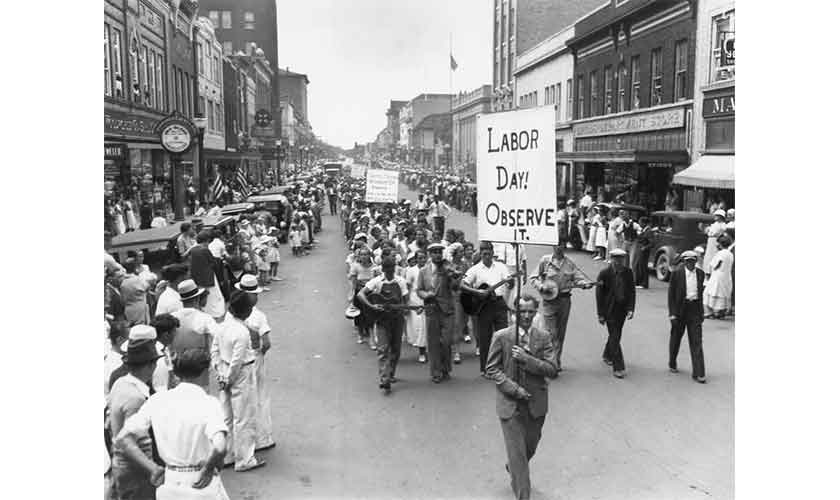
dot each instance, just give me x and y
(200, 122)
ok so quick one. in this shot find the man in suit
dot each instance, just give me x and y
(519, 363)
(616, 301)
(202, 271)
(685, 310)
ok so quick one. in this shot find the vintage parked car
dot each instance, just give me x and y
(674, 233)
(237, 209)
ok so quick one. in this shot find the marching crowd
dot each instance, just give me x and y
(185, 383)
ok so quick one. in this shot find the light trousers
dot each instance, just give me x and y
(239, 405)
(264, 424)
(178, 486)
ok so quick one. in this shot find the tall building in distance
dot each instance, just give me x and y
(240, 22)
(292, 86)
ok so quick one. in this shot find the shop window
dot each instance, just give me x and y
(593, 93)
(214, 18)
(147, 74)
(681, 70)
(656, 77)
(248, 21)
(109, 89)
(569, 99)
(227, 48)
(580, 112)
(720, 134)
(608, 90)
(226, 20)
(220, 120)
(723, 47)
(636, 84)
(134, 68)
(621, 84)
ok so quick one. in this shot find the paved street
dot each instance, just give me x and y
(653, 435)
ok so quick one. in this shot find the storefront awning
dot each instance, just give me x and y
(624, 156)
(215, 154)
(710, 171)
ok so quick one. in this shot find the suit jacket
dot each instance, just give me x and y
(676, 290)
(502, 368)
(202, 265)
(605, 293)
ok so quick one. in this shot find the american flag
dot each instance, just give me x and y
(217, 187)
(244, 187)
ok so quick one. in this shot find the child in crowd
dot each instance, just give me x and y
(295, 240)
(273, 256)
(263, 266)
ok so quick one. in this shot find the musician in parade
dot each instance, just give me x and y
(392, 291)
(436, 285)
(489, 281)
(555, 277)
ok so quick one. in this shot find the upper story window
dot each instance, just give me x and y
(159, 81)
(593, 93)
(227, 48)
(723, 47)
(569, 99)
(217, 70)
(656, 77)
(608, 90)
(581, 99)
(109, 86)
(200, 56)
(214, 18)
(635, 84)
(681, 70)
(226, 20)
(248, 22)
(621, 77)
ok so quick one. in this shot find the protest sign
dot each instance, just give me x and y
(515, 170)
(357, 171)
(382, 186)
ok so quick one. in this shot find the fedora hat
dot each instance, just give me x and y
(352, 312)
(187, 289)
(140, 352)
(248, 283)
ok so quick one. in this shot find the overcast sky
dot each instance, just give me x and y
(360, 54)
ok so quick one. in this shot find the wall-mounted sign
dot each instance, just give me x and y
(263, 118)
(119, 123)
(719, 105)
(640, 122)
(176, 133)
(115, 151)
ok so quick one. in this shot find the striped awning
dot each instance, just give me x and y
(710, 171)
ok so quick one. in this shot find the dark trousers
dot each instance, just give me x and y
(389, 344)
(439, 328)
(612, 351)
(439, 223)
(556, 323)
(522, 434)
(333, 199)
(491, 318)
(691, 319)
(641, 272)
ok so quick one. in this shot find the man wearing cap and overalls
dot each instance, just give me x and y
(190, 434)
(616, 300)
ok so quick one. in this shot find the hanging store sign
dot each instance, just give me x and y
(120, 123)
(641, 122)
(516, 176)
(116, 151)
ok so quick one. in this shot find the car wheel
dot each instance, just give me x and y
(662, 267)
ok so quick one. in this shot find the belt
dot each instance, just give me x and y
(564, 294)
(692, 300)
(185, 468)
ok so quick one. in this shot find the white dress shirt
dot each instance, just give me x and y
(184, 421)
(257, 323)
(480, 274)
(231, 348)
(691, 284)
(168, 302)
(217, 248)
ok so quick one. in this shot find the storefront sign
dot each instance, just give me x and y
(176, 133)
(119, 123)
(115, 151)
(381, 186)
(642, 122)
(516, 176)
(717, 106)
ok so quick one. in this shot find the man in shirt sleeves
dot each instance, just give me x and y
(493, 315)
(519, 370)
(190, 434)
(393, 290)
(685, 310)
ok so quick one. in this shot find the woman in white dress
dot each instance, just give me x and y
(590, 240)
(717, 297)
(615, 232)
(416, 323)
(130, 218)
(119, 221)
(713, 232)
(600, 225)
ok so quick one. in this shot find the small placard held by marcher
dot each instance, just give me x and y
(382, 186)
